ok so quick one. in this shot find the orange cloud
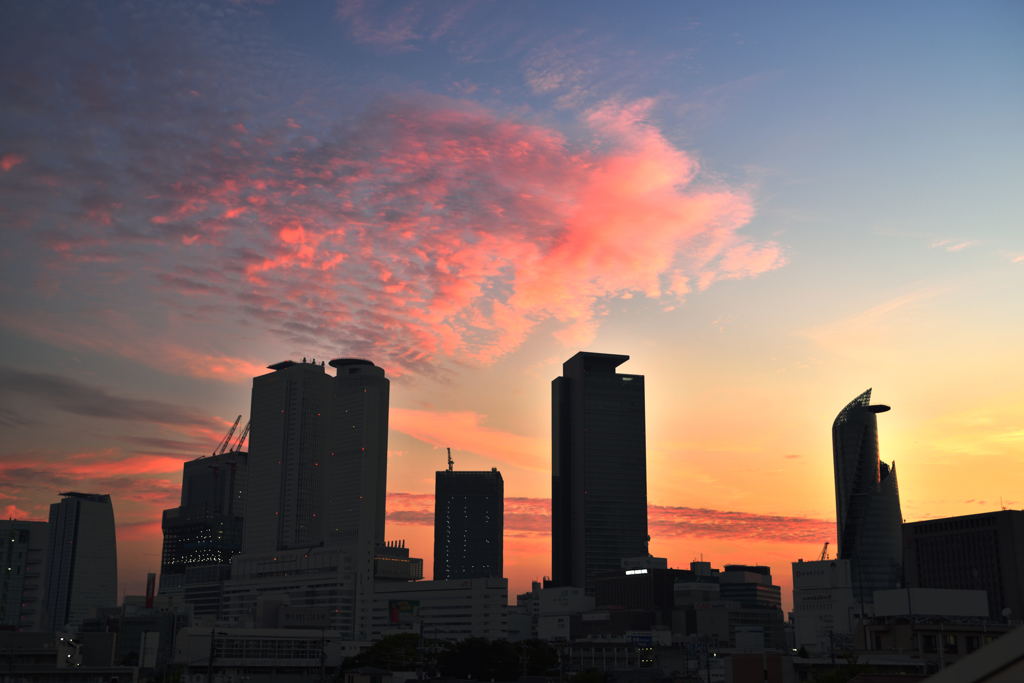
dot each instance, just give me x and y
(526, 516)
(14, 512)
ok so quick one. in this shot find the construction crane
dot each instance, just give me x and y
(451, 463)
(824, 552)
(223, 445)
(241, 439)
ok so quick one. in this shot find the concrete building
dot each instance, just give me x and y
(599, 469)
(314, 578)
(868, 514)
(392, 562)
(318, 457)
(205, 531)
(317, 485)
(469, 509)
(980, 552)
(81, 564)
(260, 655)
(442, 610)
(824, 610)
(23, 563)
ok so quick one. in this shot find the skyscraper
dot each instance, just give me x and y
(23, 561)
(205, 531)
(314, 514)
(868, 515)
(81, 571)
(599, 469)
(317, 457)
(468, 524)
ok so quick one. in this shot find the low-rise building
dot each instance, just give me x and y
(443, 610)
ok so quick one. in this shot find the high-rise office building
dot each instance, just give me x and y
(974, 552)
(317, 457)
(81, 562)
(599, 469)
(868, 515)
(22, 567)
(317, 475)
(469, 510)
(205, 531)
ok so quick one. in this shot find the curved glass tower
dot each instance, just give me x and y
(868, 517)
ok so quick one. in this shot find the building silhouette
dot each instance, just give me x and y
(205, 531)
(974, 552)
(81, 564)
(868, 515)
(317, 474)
(599, 469)
(23, 555)
(317, 457)
(468, 524)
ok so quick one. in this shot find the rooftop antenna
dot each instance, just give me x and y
(451, 463)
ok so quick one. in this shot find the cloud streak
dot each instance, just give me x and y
(532, 516)
(79, 398)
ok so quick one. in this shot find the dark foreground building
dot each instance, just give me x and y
(979, 552)
(468, 524)
(868, 515)
(205, 531)
(81, 570)
(599, 469)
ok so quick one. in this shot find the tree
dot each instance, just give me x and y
(393, 653)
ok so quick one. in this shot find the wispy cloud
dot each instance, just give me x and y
(533, 516)
(79, 398)
(953, 245)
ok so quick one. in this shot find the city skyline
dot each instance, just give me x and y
(768, 211)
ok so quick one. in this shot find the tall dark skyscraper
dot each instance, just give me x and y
(868, 518)
(317, 457)
(599, 469)
(81, 570)
(469, 515)
(206, 529)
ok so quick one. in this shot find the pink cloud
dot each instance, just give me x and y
(14, 512)
(9, 161)
(424, 231)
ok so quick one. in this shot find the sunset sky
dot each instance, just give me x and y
(769, 207)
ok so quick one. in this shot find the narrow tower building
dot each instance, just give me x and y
(599, 469)
(468, 524)
(868, 515)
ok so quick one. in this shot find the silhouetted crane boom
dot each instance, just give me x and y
(223, 445)
(241, 439)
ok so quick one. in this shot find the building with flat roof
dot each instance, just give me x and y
(868, 514)
(599, 469)
(317, 474)
(81, 562)
(442, 610)
(824, 610)
(469, 509)
(203, 533)
(23, 555)
(979, 552)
